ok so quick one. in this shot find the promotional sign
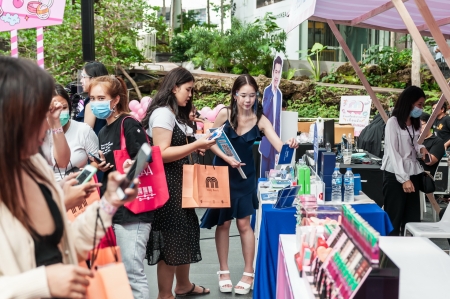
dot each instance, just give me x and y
(272, 105)
(25, 14)
(301, 10)
(355, 110)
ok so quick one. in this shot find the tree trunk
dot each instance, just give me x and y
(415, 65)
(163, 12)
(208, 12)
(222, 15)
(125, 73)
(393, 39)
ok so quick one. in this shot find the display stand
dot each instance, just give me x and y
(355, 266)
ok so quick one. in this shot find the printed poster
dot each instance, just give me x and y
(24, 14)
(272, 105)
(355, 110)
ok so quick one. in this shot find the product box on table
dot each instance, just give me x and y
(319, 159)
(328, 163)
(326, 179)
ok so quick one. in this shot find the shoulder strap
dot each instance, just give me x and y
(123, 143)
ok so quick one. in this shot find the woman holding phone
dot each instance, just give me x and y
(40, 249)
(244, 124)
(402, 170)
(109, 101)
(175, 238)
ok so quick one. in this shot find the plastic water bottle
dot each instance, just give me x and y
(350, 143)
(336, 186)
(349, 186)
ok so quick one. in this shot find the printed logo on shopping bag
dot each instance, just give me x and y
(81, 208)
(147, 171)
(145, 193)
(212, 183)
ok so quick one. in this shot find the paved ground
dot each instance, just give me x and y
(204, 273)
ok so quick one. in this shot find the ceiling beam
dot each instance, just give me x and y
(374, 12)
(440, 23)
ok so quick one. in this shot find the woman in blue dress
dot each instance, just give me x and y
(244, 124)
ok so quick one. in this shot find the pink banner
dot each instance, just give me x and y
(23, 14)
(40, 46)
(14, 46)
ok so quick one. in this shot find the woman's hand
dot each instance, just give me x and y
(408, 187)
(425, 153)
(127, 165)
(233, 162)
(102, 166)
(203, 143)
(53, 114)
(75, 195)
(67, 281)
(114, 181)
(292, 143)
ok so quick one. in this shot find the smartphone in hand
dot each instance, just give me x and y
(143, 157)
(427, 158)
(96, 158)
(86, 175)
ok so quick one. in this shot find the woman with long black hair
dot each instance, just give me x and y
(244, 124)
(401, 180)
(175, 238)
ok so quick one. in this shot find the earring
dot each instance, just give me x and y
(113, 109)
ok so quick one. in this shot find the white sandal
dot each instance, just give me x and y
(223, 283)
(245, 286)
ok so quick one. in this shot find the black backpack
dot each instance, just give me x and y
(371, 138)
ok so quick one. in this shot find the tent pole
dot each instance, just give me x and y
(358, 70)
(417, 37)
(445, 50)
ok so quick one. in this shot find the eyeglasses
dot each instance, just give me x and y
(243, 95)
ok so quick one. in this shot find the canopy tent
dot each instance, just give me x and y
(418, 17)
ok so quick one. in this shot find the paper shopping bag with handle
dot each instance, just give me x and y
(152, 191)
(205, 186)
(110, 279)
(94, 196)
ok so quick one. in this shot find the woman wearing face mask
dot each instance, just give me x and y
(80, 137)
(402, 170)
(90, 71)
(109, 101)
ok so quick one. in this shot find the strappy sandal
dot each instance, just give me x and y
(223, 283)
(192, 293)
(245, 286)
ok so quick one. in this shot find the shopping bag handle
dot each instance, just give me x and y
(96, 249)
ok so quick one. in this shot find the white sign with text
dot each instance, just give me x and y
(301, 10)
(355, 110)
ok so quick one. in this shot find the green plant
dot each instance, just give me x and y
(246, 48)
(290, 73)
(211, 100)
(389, 59)
(316, 49)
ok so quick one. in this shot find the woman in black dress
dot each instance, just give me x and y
(175, 237)
(243, 123)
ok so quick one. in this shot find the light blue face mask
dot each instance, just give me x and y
(416, 112)
(64, 117)
(101, 109)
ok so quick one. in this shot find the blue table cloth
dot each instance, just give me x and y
(275, 222)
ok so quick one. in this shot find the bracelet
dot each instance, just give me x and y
(58, 130)
(107, 207)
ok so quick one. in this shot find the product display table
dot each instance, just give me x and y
(289, 283)
(270, 223)
(424, 268)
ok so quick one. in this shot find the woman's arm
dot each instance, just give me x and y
(221, 118)
(163, 138)
(266, 126)
(89, 117)
(27, 285)
(392, 150)
(61, 150)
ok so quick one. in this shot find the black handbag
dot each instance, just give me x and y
(428, 185)
(427, 181)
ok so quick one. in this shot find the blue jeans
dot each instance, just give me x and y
(132, 239)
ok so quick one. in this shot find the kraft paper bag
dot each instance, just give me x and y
(109, 282)
(205, 186)
(94, 196)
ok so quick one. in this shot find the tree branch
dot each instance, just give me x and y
(125, 73)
